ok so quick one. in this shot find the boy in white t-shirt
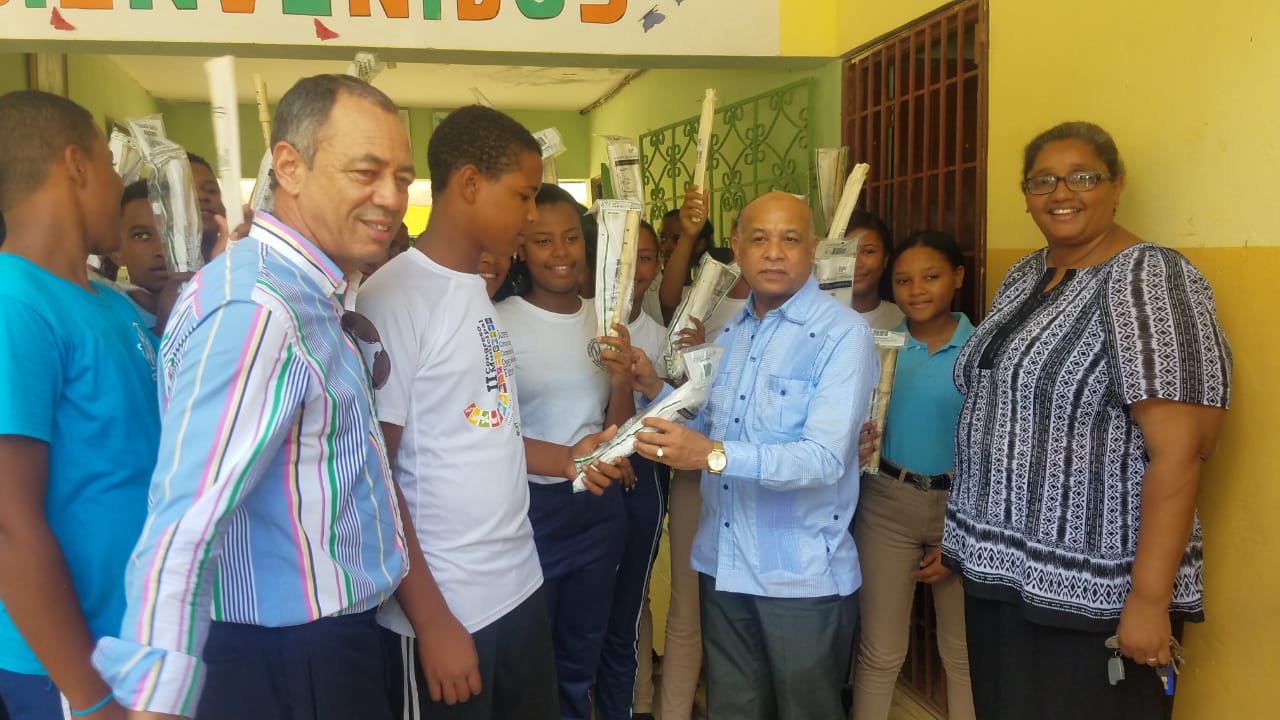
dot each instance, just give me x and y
(470, 629)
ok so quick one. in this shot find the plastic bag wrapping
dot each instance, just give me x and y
(681, 406)
(714, 281)
(125, 156)
(887, 344)
(833, 266)
(172, 192)
(263, 196)
(624, 168)
(552, 147)
(618, 223)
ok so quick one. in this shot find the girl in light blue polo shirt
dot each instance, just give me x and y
(898, 525)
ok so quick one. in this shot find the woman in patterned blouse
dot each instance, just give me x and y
(1094, 392)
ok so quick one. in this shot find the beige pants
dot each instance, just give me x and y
(642, 696)
(896, 523)
(682, 659)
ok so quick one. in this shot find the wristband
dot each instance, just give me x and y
(89, 711)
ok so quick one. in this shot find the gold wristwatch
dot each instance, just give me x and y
(716, 459)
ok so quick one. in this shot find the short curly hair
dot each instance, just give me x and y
(482, 137)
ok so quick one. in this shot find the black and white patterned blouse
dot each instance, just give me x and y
(1047, 497)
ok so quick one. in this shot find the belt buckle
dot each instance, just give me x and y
(924, 482)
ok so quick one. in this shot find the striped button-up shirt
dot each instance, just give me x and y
(272, 501)
(788, 401)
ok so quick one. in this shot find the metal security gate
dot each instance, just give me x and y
(915, 108)
(762, 143)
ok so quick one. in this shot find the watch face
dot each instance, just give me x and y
(717, 461)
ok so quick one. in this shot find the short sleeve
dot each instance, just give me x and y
(1163, 339)
(393, 315)
(30, 371)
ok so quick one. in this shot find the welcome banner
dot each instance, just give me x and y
(618, 27)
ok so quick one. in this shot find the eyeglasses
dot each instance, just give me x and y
(1082, 181)
(362, 329)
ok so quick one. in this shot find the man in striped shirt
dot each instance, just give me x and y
(273, 507)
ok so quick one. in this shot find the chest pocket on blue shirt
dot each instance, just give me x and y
(782, 404)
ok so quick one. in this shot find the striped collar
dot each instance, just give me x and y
(270, 231)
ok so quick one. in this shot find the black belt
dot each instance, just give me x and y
(924, 482)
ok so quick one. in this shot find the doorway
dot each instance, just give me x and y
(915, 108)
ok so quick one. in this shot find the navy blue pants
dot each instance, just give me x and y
(29, 697)
(580, 540)
(517, 671)
(645, 506)
(330, 669)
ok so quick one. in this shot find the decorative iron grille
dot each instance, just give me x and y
(760, 144)
(915, 108)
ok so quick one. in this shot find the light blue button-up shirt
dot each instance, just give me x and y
(788, 401)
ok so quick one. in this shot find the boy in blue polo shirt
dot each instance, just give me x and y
(79, 422)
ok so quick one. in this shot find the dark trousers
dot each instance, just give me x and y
(517, 671)
(580, 540)
(616, 677)
(776, 658)
(1021, 669)
(29, 697)
(330, 669)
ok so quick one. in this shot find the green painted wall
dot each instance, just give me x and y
(106, 90)
(572, 165)
(13, 72)
(190, 125)
(661, 97)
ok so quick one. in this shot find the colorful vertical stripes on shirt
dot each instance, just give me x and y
(272, 501)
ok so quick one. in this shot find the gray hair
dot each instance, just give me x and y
(1087, 133)
(306, 107)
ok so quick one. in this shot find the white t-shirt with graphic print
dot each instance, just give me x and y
(461, 462)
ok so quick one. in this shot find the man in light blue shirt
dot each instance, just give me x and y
(778, 446)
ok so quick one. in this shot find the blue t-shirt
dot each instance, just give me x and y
(77, 371)
(920, 427)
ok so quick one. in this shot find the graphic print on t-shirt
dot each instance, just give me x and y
(496, 347)
(146, 348)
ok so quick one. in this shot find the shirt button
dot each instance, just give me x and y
(813, 335)
(742, 397)
(735, 419)
(726, 524)
(726, 487)
(837, 517)
(784, 392)
(753, 358)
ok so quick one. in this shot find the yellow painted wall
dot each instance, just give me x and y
(1191, 97)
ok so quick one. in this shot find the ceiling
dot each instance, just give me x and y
(408, 84)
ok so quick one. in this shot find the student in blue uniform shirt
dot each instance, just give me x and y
(79, 423)
(898, 526)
